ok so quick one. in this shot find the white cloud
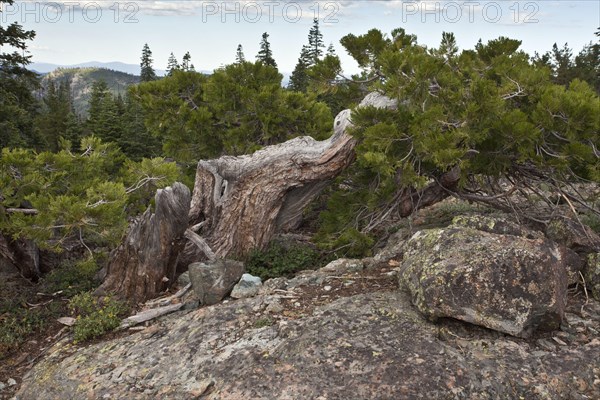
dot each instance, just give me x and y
(191, 7)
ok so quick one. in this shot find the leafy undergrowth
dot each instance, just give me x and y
(95, 317)
(284, 259)
(29, 313)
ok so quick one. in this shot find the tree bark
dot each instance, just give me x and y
(23, 254)
(243, 201)
(144, 264)
(412, 199)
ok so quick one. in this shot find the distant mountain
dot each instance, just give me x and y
(82, 79)
(44, 68)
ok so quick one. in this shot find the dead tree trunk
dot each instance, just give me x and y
(144, 264)
(240, 202)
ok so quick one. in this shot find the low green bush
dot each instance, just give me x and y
(94, 317)
(281, 259)
(15, 325)
(73, 277)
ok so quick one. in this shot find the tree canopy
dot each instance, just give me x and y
(238, 109)
(488, 116)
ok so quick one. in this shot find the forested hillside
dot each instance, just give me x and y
(81, 81)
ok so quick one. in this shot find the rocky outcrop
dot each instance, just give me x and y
(329, 334)
(213, 282)
(488, 273)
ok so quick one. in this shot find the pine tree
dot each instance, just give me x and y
(57, 114)
(239, 55)
(487, 113)
(562, 63)
(185, 63)
(331, 50)
(265, 55)
(136, 141)
(315, 42)
(448, 47)
(147, 73)
(17, 104)
(299, 79)
(587, 64)
(105, 115)
(172, 64)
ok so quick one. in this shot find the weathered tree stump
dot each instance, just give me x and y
(240, 202)
(144, 264)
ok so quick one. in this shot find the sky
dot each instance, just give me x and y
(77, 31)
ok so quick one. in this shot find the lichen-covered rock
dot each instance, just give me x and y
(500, 281)
(574, 235)
(367, 346)
(592, 274)
(213, 282)
(500, 226)
(248, 286)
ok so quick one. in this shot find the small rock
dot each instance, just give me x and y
(248, 286)
(184, 279)
(2, 386)
(344, 265)
(213, 282)
(191, 305)
(274, 307)
(11, 382)
(560, 342)
(296, 304)
(546, 345)
(327, 288)
(68, 321)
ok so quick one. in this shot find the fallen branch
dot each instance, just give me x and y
(168, 300)
(28, 211)
(149, 315)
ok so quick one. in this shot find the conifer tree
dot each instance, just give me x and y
(147, 73)
(465, 124)
(185, 63)
(331, 50)
(172, 64)
(239, 55)
(315, 42)
(104, 115)
(17, 104)
(299, 79)
(265, 55)
(562, 62)
(57, 115)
